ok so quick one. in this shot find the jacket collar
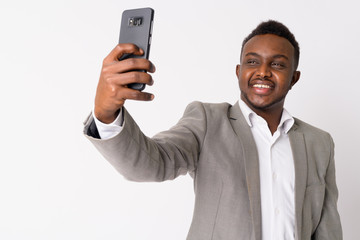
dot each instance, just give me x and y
(251, 162)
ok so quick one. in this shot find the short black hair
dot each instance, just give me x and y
(276, 28)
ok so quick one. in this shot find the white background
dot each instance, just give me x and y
(55, 185)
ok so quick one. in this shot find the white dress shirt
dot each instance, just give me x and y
(107, 131)
(277, 174)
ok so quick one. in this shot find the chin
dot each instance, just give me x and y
(259, 105)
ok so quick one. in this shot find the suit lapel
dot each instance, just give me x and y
(251, 162)
(298, 147)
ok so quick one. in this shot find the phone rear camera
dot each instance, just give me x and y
(135, 21)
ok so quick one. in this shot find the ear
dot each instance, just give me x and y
(295, 78)
(238, 71)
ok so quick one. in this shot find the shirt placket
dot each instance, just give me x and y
(276, 191)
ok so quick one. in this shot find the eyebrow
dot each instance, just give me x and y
(275, 56)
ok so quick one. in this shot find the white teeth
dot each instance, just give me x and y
(261, 86)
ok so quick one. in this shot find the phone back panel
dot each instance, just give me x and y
(136, 28)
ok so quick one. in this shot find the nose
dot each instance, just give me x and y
(263, 71)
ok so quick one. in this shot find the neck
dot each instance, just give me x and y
(271, 117)
(271, 114)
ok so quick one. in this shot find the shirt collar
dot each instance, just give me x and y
(286, 121)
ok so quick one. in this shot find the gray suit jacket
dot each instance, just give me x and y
(214, 144)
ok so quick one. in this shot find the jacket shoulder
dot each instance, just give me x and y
(213, 109)
(311, 131)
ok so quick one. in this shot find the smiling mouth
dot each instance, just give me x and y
(261, 86)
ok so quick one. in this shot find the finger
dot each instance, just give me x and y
(131, 64)
(128, 93)
(131, 77)
(121, 49)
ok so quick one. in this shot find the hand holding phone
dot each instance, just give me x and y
(112, 90)
(136, 28)
(126, 68)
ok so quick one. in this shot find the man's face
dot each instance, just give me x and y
(266, 72)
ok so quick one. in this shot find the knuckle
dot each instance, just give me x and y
(132, 47)
(109, 81)
(132, 61)
(135, 76)
(146, 78)
(106, 69)
(136, 95)
(118, 48)
(113, 91)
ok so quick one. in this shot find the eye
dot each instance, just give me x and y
(278, 64)
(251, 62)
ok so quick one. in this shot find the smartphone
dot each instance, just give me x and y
(136, 28)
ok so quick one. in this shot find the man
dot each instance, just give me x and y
(259, 173)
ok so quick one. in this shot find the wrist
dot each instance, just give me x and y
(106, 117)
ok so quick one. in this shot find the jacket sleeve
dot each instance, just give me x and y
(164, 157)
(329, 227)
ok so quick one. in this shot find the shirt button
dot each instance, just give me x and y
(274, 176)
(277, 211)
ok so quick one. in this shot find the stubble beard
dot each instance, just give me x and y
(263, 108)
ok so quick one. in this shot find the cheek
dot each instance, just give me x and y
(243, 83)
(244, 77)
(284, 80)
